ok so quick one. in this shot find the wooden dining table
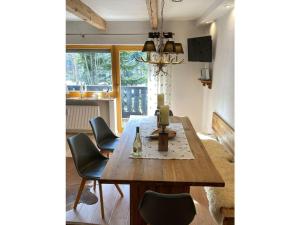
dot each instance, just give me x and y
(161, 175)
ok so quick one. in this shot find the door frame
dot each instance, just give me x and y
(116, 58)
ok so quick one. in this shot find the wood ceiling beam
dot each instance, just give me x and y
(152, 7)
(84, 12)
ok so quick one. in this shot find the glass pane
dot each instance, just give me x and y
(90, 68)
(134, 79)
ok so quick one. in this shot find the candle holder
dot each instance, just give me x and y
(163, 139)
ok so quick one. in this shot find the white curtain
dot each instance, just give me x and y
(159, 84)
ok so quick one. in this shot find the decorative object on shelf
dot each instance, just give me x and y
(161, 49)
(205, 77)
(106, 92)
(82, 90)
(205, 74)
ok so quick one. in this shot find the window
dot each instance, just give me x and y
(90, 68)
(109, 68)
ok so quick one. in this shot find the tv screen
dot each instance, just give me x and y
(200, 49)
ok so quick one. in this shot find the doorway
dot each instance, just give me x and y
(133, 80)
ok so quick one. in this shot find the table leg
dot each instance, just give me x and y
(137, 191)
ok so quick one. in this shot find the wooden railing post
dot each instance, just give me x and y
(134, 101)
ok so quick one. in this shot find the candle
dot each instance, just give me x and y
(164, 115)
(160, 100)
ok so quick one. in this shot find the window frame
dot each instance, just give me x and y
(111, 93)
(115, 72)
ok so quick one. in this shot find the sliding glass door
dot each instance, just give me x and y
(134, 90)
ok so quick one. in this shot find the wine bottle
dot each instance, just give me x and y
(137, 144)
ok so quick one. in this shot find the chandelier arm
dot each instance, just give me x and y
(163, 71)
(155, 62)
(178, 62)
(141, 59)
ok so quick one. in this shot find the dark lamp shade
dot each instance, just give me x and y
(178, 48)
(149, 46)
(169, 47)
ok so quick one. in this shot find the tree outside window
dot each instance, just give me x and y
(89, 68)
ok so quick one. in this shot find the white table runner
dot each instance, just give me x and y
(178, 147)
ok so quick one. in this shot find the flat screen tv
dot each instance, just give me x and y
(200, 49)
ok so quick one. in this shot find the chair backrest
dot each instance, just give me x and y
(83, 151)
(167, 209)
(157, 111)
(100, 130)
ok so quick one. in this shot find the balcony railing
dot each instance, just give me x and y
(134, 100)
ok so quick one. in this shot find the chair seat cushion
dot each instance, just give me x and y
(109, 145)
(94, 169)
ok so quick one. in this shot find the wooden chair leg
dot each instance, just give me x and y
(119, 190)
(95, 185)
(79, 192)
(101, 199)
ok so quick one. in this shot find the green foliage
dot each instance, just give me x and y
(132, 72)
(91, 68)
(94, 68)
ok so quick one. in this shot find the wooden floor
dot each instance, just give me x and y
(117, 208)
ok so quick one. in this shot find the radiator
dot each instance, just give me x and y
(78, 117)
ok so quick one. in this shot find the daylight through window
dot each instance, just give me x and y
(90, 69)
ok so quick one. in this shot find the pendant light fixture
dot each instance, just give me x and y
(161, 48)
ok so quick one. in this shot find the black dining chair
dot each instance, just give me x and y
(89, 163)
(167, 209)
(157, 111)
(106, 140)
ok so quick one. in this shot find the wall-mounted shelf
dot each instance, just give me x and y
(206, 82)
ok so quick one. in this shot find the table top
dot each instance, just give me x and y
(191, 172)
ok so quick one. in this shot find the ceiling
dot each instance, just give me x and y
(216, 10)
(136, 10)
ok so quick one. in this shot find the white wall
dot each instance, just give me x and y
(221, 97)
(77, 27)
(186, 89)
